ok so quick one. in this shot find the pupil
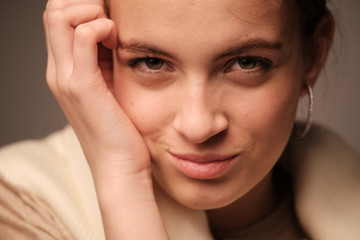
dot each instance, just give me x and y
(247, 63)
(154, 63)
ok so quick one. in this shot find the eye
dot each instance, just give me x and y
(149, 65)
(249, 64)
(153, 63)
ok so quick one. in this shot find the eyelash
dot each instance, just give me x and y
(134, 63)
(260, 62)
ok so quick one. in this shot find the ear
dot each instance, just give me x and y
(318, 48)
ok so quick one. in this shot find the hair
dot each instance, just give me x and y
(309, 14)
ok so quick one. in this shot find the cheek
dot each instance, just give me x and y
(276, 122)
(143, 110)
(264, 117)
(270, 106)
(274, 108)
(150, 111)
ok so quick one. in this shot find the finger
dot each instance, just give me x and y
(56, 4)
(60, 27)
(106, 64)
(50, 69)
(86, 37)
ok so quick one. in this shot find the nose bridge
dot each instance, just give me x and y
(199, 117)
(196, 100)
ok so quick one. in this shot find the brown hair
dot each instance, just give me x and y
(309, 13)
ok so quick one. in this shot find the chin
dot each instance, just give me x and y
(206, 202)
(207, 205)
(201, 195)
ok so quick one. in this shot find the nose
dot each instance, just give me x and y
(200, 116)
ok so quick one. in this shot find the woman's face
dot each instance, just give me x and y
(212, 86)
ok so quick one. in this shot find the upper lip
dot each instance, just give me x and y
(203, 158)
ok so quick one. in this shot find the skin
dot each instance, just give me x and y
(208, 109)
(129, 118)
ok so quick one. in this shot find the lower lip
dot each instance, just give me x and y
(202, 170)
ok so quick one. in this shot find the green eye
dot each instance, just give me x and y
(154, 63)
(247, 63)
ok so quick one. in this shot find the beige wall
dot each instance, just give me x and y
(28, 110)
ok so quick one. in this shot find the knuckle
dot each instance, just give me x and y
(50, 81)
(56, 16)
(98, 9)
(56, 4)
(44, 16)
(83, 33)
(71, 90)
(65, 88)
(102, 12)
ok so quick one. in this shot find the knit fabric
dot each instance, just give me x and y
(51, 181)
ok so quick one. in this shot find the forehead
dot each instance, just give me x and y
(201, 19)
(252, 11)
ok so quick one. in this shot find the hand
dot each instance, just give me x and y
(111, 143)
(81, 80)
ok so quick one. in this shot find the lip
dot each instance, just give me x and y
(203, 166)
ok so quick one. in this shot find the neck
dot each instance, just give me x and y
(250, 208)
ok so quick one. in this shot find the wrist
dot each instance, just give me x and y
(127, 204)
(125, 190)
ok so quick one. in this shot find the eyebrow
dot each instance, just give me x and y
(253, 44)
(139, 46)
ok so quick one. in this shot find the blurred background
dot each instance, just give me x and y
(28, 110)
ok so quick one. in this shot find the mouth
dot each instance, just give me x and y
(203, 166)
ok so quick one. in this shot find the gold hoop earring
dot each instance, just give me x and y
(309, 119)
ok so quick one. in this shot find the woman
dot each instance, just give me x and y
(185, 114)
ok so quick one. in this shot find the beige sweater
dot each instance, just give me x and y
(47, 192)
